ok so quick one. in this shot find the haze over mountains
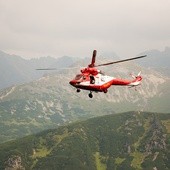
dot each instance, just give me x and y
(16, 70)
(159, 60)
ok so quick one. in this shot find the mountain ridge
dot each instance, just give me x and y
(131, 140)
(158, 60)
(50, 101)
(15, 70)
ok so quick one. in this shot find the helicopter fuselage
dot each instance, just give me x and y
(96, 81)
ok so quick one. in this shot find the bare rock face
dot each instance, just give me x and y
(14, 162)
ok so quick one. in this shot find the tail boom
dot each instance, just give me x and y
(121, 82)
(136, 81)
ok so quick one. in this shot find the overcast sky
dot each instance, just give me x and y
(35, 28)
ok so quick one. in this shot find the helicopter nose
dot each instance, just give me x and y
(72, 82)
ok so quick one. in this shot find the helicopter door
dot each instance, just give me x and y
(92, 80)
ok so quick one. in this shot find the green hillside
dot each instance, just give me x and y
(132, 140)
(31, 108)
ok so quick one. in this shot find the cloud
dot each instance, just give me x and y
(37, 28)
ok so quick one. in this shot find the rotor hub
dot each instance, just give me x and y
(90, 71)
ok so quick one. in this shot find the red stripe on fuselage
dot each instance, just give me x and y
(120, 82)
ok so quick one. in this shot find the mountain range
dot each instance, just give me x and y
(32, 101)
(158, 60)
(15, 70)
(131, 140)
(49, 102)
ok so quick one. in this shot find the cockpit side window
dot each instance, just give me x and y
(78, 77)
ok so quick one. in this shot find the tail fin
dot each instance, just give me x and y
(139, 74)
(135, 77)
(136, 80)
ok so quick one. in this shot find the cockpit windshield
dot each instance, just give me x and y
(78, 77)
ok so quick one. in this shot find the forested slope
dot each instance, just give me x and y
(132, 140)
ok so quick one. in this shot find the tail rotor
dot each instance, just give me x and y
(138, 75)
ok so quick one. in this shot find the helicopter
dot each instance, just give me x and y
(95, 80)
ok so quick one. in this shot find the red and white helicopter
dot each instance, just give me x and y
(94, 80)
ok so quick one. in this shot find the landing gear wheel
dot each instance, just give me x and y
(90, 95)
(78, 90)
(105, 91)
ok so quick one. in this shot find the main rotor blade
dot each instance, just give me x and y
(66, 68)
(93, 59)
(120, 61)
(46, 69)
